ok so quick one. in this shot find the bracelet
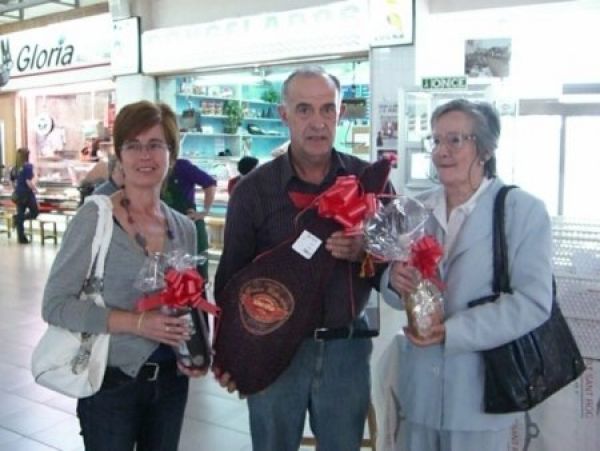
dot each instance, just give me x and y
(139, 321)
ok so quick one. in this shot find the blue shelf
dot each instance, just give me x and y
(265, 119)
(211, 135)
(199, 96)
(268, 136)
(230, 135)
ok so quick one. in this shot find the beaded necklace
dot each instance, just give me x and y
(138, 237)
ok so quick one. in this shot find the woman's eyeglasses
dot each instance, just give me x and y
(137, 147)
(452, 141)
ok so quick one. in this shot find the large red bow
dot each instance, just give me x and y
(425, 254)
(345, 203)
(183, 289)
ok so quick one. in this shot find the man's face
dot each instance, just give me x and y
(311, 111)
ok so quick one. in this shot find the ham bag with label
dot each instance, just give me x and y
(275, 302)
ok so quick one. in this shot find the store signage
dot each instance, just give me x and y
(125, 54)
(392, 22)
(40, 58)
(43, 124)
(331, 29)
(68, 45)
(5, 62)
(444, 83)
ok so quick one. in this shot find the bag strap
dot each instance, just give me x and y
(501, 283)
(102, 237)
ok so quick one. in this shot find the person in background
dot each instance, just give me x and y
(143, 396)
(328, 376)
(179, 193)
(440, 385)
(244, 166)
(90, 152)
(115, 178)
(94, 178)
(22, 178)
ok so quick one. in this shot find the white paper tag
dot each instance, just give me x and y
(307, 244)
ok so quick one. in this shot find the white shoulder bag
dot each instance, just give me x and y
(73, 363)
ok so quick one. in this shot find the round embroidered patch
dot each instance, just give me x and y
(265, 305)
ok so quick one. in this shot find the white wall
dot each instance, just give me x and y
(437, 6)
(172, 13)
(133, 88)
(551, 44)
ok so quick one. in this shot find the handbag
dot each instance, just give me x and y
(73, 363)
(522, 373)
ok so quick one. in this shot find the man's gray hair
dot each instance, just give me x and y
(307, 71)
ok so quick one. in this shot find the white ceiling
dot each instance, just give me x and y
(444, 6)
(16, 10)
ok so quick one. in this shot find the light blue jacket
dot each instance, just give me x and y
(442, 386)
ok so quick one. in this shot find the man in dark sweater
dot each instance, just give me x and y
(329, 373)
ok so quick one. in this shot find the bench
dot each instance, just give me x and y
(47, 230)
(6, 219)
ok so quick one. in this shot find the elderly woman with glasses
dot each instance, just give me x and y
(440, 385)
(143, 396)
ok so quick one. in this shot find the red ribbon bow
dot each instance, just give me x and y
(425, 254)
(345, 203)
(183, 289)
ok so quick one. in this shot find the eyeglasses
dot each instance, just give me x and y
(452, 141)
(152, 147)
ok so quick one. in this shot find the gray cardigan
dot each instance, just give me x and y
(61, 305)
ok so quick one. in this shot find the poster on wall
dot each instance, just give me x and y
(487, 58)
(387, 135)
(392, 22)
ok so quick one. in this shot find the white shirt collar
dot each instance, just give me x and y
(438, 203)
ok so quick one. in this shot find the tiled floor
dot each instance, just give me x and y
(33, 418)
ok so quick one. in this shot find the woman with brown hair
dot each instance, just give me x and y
(143, 396)
(22, 178)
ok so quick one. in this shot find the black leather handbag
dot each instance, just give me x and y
(524, 372)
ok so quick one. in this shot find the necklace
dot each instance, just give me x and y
(138, 237)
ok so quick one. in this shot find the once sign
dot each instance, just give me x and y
(444, 83)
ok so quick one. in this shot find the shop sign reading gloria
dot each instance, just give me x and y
(56, 47)
(34, 57)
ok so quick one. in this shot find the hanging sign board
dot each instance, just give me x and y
(391, 22)
(56, 48)
(444, 83)
(330, 29)
(125, 52)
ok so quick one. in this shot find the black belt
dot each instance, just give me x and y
(149, 372)
(346, 332)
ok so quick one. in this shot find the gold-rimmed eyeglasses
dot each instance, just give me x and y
(152, 147)
(452, 141)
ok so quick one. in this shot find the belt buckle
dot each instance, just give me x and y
(154, 376)
(316, 332)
